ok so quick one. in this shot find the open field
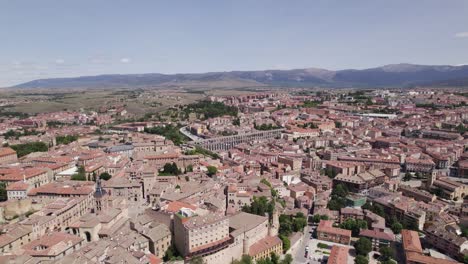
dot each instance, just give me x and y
(136, 101)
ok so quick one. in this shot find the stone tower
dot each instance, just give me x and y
(245, 245)
(274, 225)
(430, 179)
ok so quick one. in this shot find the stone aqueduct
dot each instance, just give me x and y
(228, 142)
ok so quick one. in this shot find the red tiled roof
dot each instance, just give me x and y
(326, 226)
(17, 186)
(420, 258)
(175, 206)
(411, 241)
(264, 244)
(6, 152)
(338, 255)
(377, 234)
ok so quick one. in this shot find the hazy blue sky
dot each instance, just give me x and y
(43, 38)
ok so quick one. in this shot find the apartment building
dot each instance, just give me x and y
(326, 231)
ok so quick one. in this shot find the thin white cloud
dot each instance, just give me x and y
(125, 60)
(462, 34)
(59, 61)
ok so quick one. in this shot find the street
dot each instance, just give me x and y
(317, 253)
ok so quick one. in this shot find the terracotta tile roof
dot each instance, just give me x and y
(326, 226)
(338, 255)
(175, 206)
(414, 257)
(51, 244)
(264, 244)
(18, 174)
(411, 241)
(17, 186)
(61, 189)
(377, 234)
(6, 152)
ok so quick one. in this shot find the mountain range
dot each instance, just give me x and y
(394, 75)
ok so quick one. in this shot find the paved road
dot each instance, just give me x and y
(315, 252)
(299, 255)
(193, 137)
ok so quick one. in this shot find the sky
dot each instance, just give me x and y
(49, 39)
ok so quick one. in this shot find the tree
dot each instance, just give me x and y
(387, 253)
(274, 258)
(3, 192)
(396, 227)
(260, 206)
(465, 259)
(172, 254)
(170, 169)
(299, 223)
(361, 260)
(197, 260)
(338, 197)
(27, 148)
(286, 243)
(105, 176)
(288, 259)
(407, 177)
(285, 225)
(212, 170)
(80, 175)
(355, 225)
(189, 168)
(266, 182)
(363, 246)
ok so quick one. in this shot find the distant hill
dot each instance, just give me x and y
(395, 75)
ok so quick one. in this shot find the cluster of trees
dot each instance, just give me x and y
(338, 197)
(236, 122)
(408, 176)
(375, 208)
(210, 109)
(169, 131)
(355, 225)
(3, 192)
(330, 172)
(395, 225)
(290, 223)
(170, 169)
(80, 175)
(264, 127)
(55, 124)
(6, 113)
(316, 218)
(198, 150)
(212, 170)
(105, 176)
(273, 259)
(65, 140)
(266, 182)
(172, 254)
(311, 103)
(363, 246)
(310, 125)
(461, 128)
(27, 148)
(16, 134)
(260, 206)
